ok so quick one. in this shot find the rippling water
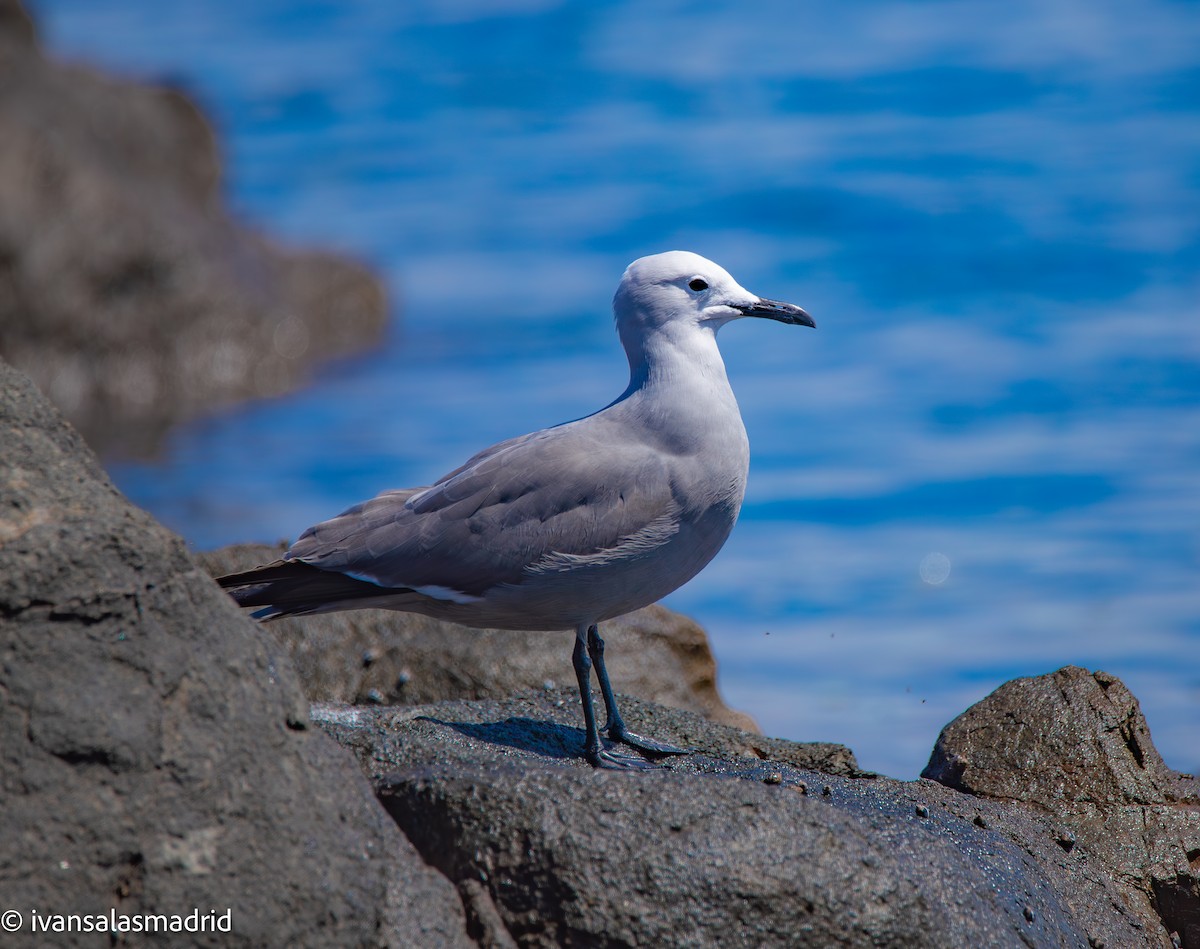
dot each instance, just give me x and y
(983, 464)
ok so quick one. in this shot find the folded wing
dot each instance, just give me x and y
(546, 502)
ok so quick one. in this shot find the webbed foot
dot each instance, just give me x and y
(649, 745)
(612, 760)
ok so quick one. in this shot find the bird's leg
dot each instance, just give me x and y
(595, 646)
(615, 726)
(592, 750)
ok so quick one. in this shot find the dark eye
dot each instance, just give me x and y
(698, 284)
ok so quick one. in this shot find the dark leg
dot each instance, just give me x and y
(598, 756)
(615, 726)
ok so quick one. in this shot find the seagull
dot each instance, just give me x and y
(570, 526)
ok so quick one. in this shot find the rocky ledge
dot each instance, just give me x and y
(160, 756)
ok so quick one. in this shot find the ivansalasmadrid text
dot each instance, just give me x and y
(114, 922)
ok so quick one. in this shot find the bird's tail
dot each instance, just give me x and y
(292, 588)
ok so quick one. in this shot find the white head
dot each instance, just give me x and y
(680, 289)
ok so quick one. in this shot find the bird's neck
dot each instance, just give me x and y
(679, 371)
(674, 354)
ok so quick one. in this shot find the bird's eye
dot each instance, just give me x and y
(698, 284)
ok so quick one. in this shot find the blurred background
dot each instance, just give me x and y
(985, 461)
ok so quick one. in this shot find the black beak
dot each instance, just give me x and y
(783, 312)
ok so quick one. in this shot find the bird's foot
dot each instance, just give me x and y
(650, 746)
(612, 760)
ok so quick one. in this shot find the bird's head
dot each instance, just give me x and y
(682, 287)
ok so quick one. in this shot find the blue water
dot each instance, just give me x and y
(983, 464)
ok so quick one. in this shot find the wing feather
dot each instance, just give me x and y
(545, 501)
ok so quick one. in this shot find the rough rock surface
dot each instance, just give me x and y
(381, 657)
(746, 842)
(1075, 744)
(127, 292)
(155, 752)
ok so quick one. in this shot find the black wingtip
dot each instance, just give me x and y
(291, 588)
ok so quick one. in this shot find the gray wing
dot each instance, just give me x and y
(571, 491)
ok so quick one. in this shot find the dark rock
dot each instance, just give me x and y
(16, 24)
(127, 291)
(1076, 745)
(381, 657)
(720, 848)
(155, 754)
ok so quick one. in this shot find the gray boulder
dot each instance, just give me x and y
(1076, 745)
(156, 749)
(127, 291)
(746, 842)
